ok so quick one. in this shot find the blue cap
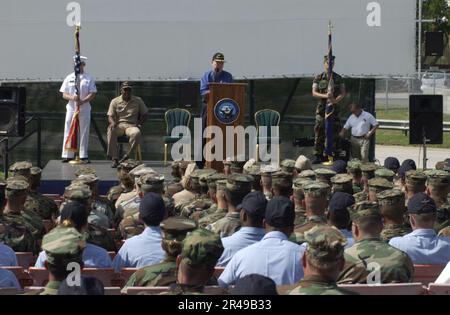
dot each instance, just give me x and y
(407, 165)
(254, 203)
(340, 201)
(254, 284)
(339, 167)
(280, 212)
(392, 163)
(421, 203)
(152, 208)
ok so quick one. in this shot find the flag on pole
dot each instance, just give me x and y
(72, 139)
(329, 109)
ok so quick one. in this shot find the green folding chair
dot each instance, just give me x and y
(174, 117)
(267, 118)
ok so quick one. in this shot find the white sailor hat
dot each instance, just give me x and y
(82, 58)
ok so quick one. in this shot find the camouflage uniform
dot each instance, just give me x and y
(42, 205)
(62, 245)
(320, 83)
(319, 189)
(211, 182)
(95, 233)
(354, 169)
(342, 183)
(385, 173)
(324, 175)
(174, 231)
(392, 198)
(236, 184)
(201, 201)
(288, 166)
(395, 265)
(438, 179)
(300, 211)
(307, 174)
(219, 213)
(266, 175)
(325, 245)
(200, 250)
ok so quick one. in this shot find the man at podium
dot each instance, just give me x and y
(217, 75)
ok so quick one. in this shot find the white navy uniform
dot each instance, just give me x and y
(87, 86)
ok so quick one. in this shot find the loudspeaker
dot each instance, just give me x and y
(12, 111)
(434, 44)
(425, 115)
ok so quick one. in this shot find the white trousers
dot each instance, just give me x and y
(85, 122)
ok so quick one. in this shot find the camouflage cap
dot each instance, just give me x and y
(89, 179)
(308, 174)
(213, 178)
(391, 197)
(204, 174)
(254, 170)
(173, 188)
(287, 165)
(324, 174)
(360, 196)
(385, 173)
(325, 243)
(368, 169)
(128, 165)
(303, 163)
(63, 245)
(140, 170)
(84, 170)
(317, 189)
(16, 185)
(239, 182)
(176, 228)
(195, 177)
(354, 165)
(268, 169)
(151, 181)
(77, 192)
(21, 167)
(299, 182)
(414, 177)
(201, 248)
(364, 205)
(221, 184)
(342, 182)
(282, 178)
(363, 213)
(438, 178)
(379, 184)
(35, 171)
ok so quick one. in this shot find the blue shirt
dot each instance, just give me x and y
(424, 247)
(223, 77)
(93, 257)
(349, 236)
(141, 250)
(274, 257)
(7, 256)
(8, 279)
(240, 239)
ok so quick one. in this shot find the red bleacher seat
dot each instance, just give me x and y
(211, 290)
(106, 275)
(126, 273)
(39, 276)
(386, 289)
(112, 255)
(218, 271)
(426, 274)
(439, 289)
(23, 277)
(8, 291)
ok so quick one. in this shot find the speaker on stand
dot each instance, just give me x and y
(12, 111)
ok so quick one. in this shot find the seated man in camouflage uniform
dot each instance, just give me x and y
(74, 214)
(393, 210)
(174, 231)
(342, 183)
(44, 206)
(316, 202)
(97, 234)
(126, 181)
(288, 166)
(186, 195)
(377, 185)
(62, 245)
(438, 188)
(15, 230)
(385, 173)
(371, 260)
(266, 180)
(299, 197)
(131, 225)
(368, 172)
(414, 183)
(238, 185)
(212, 193)
(198, 186)
(324, 175)
(222, 205)
(199, 254)
(282, 184)
(322, 263)
(354, 169)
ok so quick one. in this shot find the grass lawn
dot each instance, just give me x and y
(397, 137)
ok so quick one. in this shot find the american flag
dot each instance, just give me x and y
(72, 139)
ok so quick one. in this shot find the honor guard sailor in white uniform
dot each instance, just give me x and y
(87, 94)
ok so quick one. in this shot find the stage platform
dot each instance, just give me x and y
(56, 175)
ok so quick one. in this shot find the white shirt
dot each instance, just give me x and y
(360, 125)
(87, 86)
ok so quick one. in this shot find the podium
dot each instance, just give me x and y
(225, 107)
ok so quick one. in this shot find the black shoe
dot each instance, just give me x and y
(317, 160)
(65, 160)
(115, 163)
(85, 160)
